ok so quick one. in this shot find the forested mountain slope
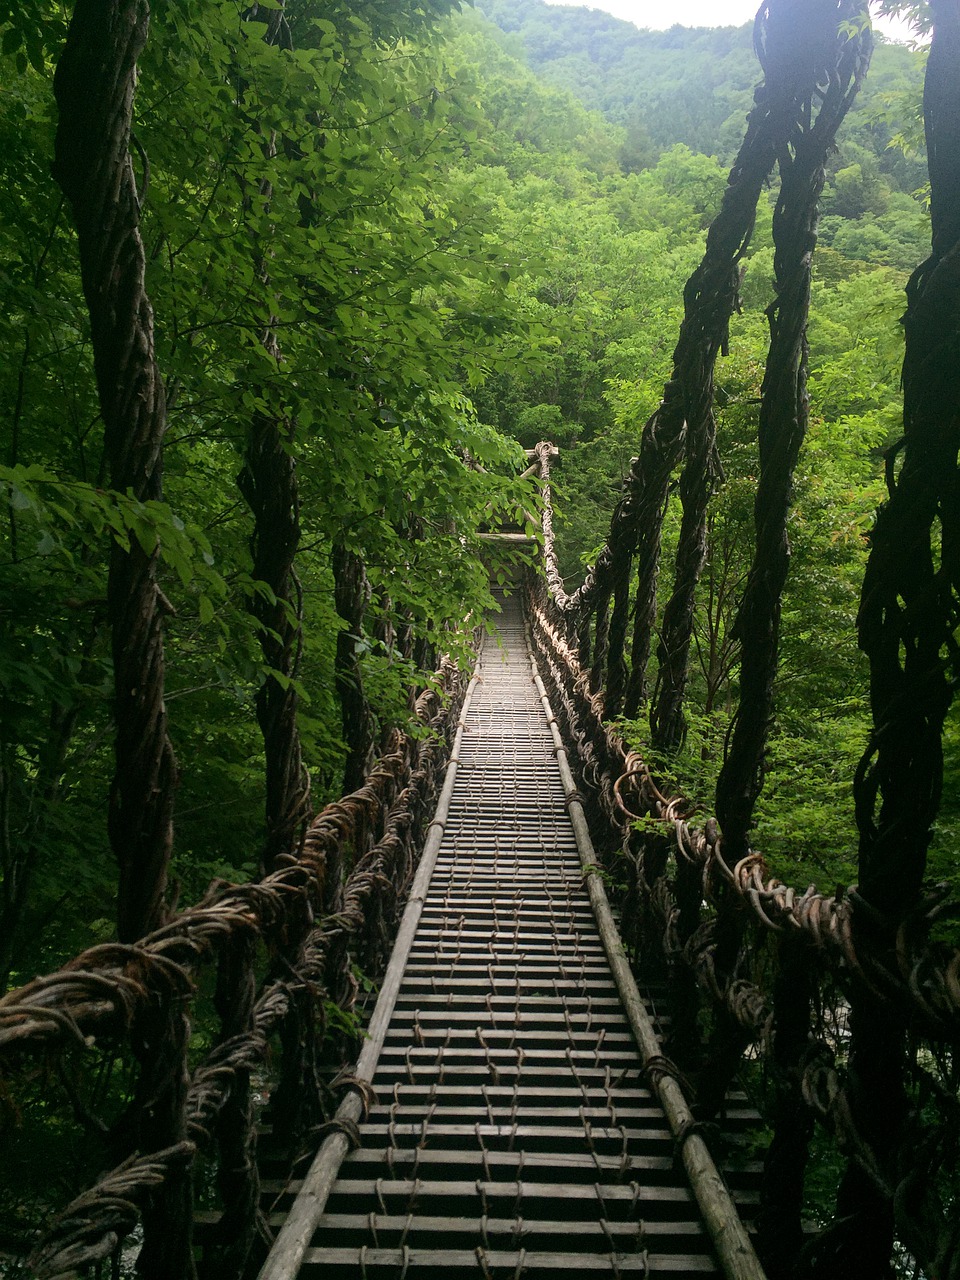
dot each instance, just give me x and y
(607, 245)
(690, 85)
(695, 85)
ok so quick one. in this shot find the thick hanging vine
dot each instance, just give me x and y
(94, 86)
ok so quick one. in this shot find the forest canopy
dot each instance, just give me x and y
(388, 249)
(282, 316)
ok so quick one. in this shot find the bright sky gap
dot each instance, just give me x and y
(702, 13)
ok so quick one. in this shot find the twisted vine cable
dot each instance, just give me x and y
(94, 87)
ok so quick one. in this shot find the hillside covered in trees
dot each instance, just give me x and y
(694, 86)
(384, 249)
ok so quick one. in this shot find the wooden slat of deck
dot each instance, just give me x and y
(515, 1132)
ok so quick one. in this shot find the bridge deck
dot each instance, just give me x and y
(514, 1132)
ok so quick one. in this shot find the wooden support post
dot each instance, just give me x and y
(238, 1178)
(160, 1038)
(685, 1034)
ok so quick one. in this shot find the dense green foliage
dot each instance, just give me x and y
(457, 258)
(312, 189)
(677, 95)
(455, 255)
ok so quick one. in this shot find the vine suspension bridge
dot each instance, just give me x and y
(519, 1105)
(518, 1127)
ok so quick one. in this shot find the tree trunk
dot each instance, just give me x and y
(808, 58)
(352, 594)
(94, 88)
(269, 484)
(908, 613)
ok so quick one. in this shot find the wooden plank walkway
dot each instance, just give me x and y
(514, 1132)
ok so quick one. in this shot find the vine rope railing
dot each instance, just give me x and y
(284, 949)
(850, 999)
(918, 978)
